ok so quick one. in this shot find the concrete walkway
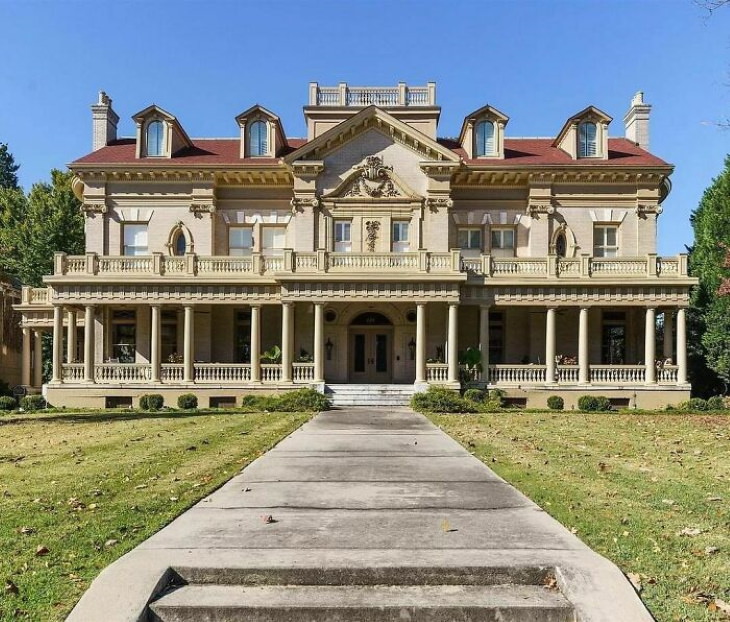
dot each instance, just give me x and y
(359, 494)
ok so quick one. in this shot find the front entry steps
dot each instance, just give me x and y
(468, 595)
(369, 394)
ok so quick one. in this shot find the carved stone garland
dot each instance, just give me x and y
(372, 227)
(373, 180)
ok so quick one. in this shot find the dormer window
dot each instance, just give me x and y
(155, 138)
(587, 147)
(484, 137)
(258, 139)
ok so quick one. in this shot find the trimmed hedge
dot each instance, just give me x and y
(441, 400)
(555, 402)
(695, 403)
(187, 401)
(593, 403)
(474, 395)
(301, 400)
(152, 401)
(33, 402)
(716, 402)
(7, 403)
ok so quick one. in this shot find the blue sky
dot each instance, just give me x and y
(205, 61)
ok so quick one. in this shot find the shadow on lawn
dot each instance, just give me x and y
(97, 417)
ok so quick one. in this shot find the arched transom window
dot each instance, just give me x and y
(155, 138)
(587, 140)
(180, 244)
(485, 143)
(258, 139)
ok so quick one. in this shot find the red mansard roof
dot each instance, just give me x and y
(517, 152)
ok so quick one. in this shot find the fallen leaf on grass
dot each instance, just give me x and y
(109, 543)
(711, 550)
(635, 579)
(719, 605)
(26, 531)
(10, 587)
(690, 532)
(41, 551)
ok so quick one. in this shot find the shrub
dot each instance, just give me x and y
(153, 401)
(593, 403)
(187, 401)
(33, 402)
(7, 403)
(439, 399)
(555, 402)
(696, 403)
(250, 401)
(302, 400)
(497, 395)
(716, 402)
(5, 389)
(474, 395)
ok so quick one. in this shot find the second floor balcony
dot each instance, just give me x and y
(451, 265)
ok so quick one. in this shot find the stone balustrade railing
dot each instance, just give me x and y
(73, 372)
(222, 372)
(303, 372)
(361, 96)
(414, 263)
(437, 372)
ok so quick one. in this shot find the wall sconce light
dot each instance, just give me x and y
(329, 346)
(412, 348)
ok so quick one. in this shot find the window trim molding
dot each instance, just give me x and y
(171, 243)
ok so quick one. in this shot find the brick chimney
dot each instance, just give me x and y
(104, 122)
(636, 121)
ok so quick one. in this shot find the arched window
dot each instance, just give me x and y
(587, 140)
(257, 139)
(485, 138)
(155, 138)
(561, 245)
(180, 245)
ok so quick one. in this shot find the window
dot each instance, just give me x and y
(273, 240)
(469, 239)
(613, 338)
(240, 241)
(587, 140)
(343, 241)
(561, 245)
(135, 239)
(180, 244)
(155, 138)
(605, 241)
(400, 236)
(257, 139)
(503, 238)
(485, 144)
(124, 335)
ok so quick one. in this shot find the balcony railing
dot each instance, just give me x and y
(361, 96)
(322, 262)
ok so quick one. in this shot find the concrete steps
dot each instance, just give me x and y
(369, 394)
(362, 603)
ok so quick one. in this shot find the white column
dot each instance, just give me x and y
(57, 344)
(583, 364)
(89, 351)
(668, 330)
(71, 336)
(155, 342)
(255, 343)
(420, 343)
(189, 344)
(550, 346)
(453, 354)
(650, 346)
(484, 340)
(318, 342)
(681, 346)
(287, 340)
(38, 358)
(25, 380)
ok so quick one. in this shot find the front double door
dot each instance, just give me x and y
(371, 355)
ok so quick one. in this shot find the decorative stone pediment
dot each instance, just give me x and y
(372, 179)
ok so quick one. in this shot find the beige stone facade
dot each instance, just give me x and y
(371, 252)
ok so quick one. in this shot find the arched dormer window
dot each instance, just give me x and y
(587, 140)
(155, 138)
(484, 136)
(258, 139)
(180, 244)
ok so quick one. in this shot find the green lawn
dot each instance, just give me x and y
(89, 487)
(650, 492)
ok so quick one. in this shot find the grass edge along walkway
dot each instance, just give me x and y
(651, 492)
(79, 490)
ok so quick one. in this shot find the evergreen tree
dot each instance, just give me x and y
(710, 262)
(8, 168)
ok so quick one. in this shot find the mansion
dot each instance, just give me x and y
(371, 252)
